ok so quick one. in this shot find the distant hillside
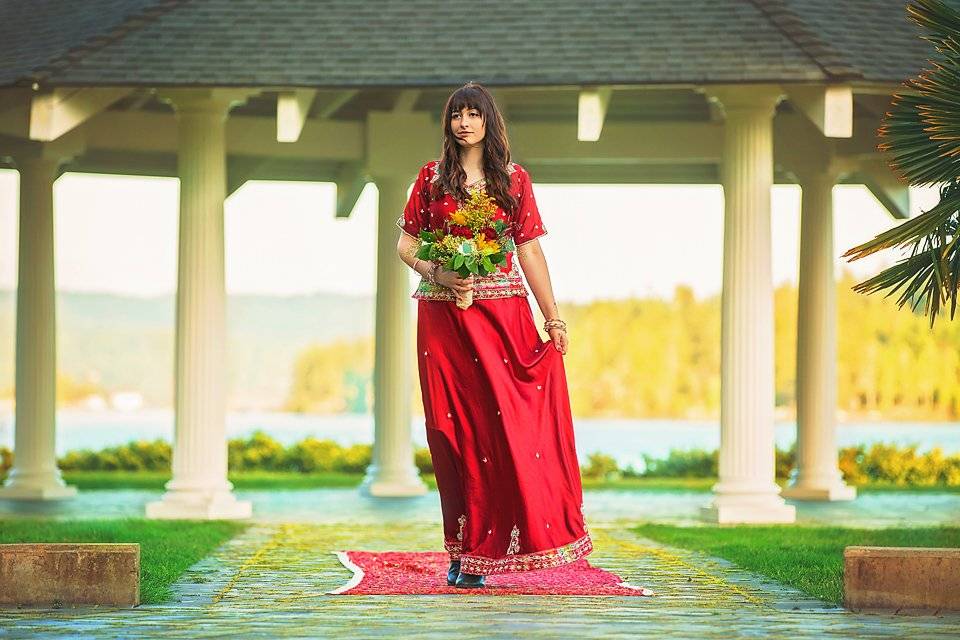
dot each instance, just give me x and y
(631, 358)
(127, 342)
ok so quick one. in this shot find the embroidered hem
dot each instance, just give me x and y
(494, 285)
(547, 559)
(453, 547)
(429, 291)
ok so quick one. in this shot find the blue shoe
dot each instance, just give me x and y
(470, 581)
(453, 572)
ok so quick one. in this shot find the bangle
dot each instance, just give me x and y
(555, 323)
(433, 273)
(415, 264)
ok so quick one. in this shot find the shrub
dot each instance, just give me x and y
(691, 463)
(311, 455)
(905, 467)
(356, 458)
(138, 455)
(423, 460)
(784, 461)
(258, 452)
(602, 467)
(850, 461)
(880, 463)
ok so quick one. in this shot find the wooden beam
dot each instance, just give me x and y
(406, 99)
(829, 107)
(53, 114)
(591, 112)
(650, 142)
(142, 131)
(147, 136)
(886, 186)
(341, 98)
(350, 181)
(292, 110)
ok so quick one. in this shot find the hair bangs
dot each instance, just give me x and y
(467, 98)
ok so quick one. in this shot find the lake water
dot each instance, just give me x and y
(625, 440)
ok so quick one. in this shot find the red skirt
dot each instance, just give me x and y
(500, 433)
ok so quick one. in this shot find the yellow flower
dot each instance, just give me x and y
(487, 247)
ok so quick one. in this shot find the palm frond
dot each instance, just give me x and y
(921, 135)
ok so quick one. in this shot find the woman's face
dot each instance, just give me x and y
(467, 126)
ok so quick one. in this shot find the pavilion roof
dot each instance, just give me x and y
(433, 43)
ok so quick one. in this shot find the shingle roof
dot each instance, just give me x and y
(341, 43)
(873, 36)
(36, 33)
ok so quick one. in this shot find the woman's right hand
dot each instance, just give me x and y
(453, 280)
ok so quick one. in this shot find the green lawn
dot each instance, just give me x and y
(167, 547)
(809, 558)
(87, 480)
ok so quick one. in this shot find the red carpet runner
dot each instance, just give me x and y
(425, 572)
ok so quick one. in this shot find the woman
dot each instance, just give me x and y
(496, 405)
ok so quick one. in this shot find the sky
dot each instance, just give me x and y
(118, 234)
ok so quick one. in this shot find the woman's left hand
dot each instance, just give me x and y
(560, 340)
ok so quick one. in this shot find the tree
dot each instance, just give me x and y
(922, 134)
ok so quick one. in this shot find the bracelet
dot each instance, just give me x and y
(555, 323)
(415, 264)
(432, 274)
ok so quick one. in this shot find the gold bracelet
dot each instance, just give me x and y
(555, 323)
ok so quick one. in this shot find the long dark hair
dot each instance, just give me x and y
(496, 148)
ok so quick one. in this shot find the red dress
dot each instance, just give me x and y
(497, 410)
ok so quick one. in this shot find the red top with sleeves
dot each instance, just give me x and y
(424, 212)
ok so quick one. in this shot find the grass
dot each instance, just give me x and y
(167, 547)
(155, 480)
(253, 480)
(651, 484)
(263, 480)
(809, 558)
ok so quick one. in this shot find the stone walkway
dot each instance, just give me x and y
(272, 581)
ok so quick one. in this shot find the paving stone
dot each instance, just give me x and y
(272, 580)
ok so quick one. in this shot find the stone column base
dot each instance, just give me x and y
(748, 509)
(832, 493)
(37, 491)
(199, 505)
(393, 485)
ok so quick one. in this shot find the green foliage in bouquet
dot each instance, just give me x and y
(464, 244)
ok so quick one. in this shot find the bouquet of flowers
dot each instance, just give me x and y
(470, 241)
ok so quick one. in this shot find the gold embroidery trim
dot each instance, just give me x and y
(494, 285)
(454, 548)
(547, 559)
(514, 540)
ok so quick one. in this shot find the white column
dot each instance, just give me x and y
(199, 488)
(746, 491)
(392, 472)
(817, 476)
(35, 475)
